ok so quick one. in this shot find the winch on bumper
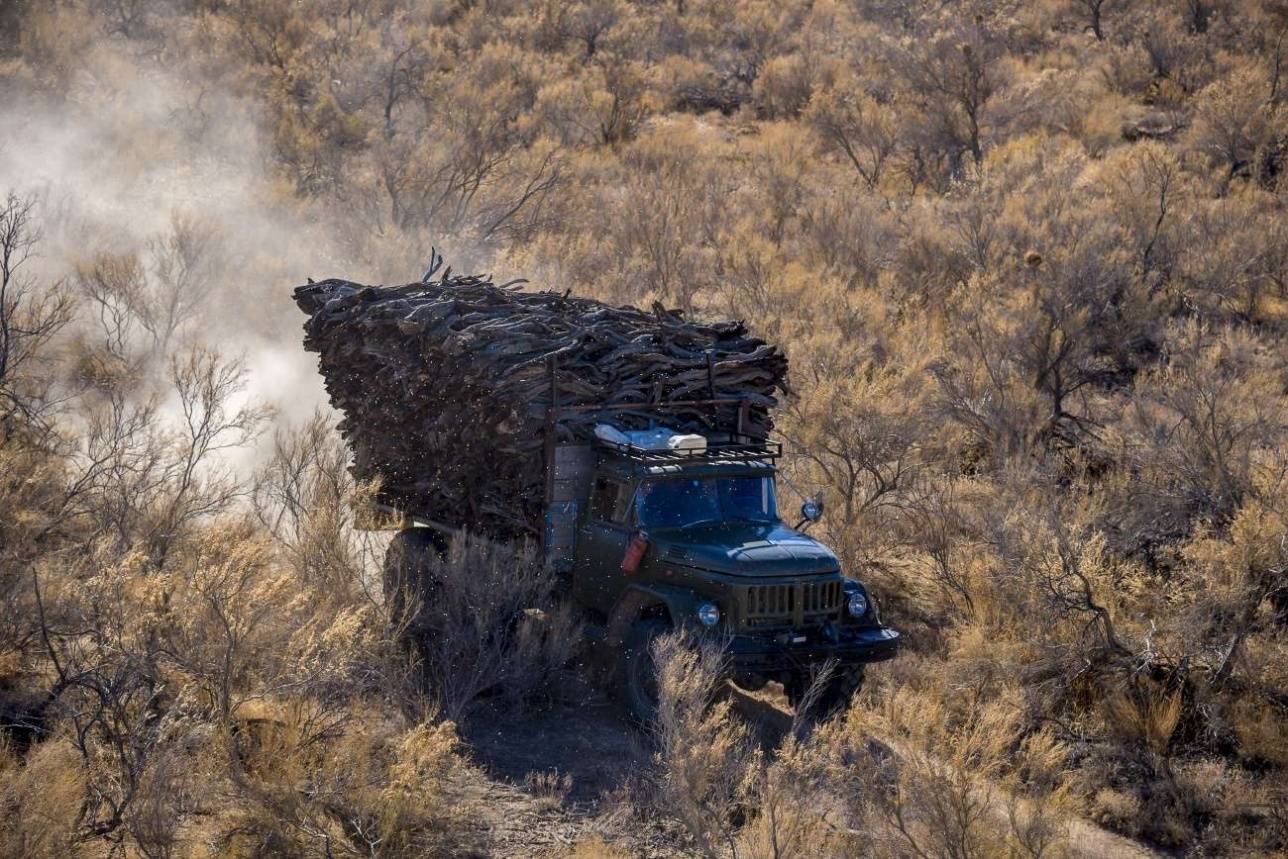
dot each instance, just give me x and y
(770, 654)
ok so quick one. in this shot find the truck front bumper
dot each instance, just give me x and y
(773, 654)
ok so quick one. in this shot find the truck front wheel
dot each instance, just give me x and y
(637, 671)
(834, 695)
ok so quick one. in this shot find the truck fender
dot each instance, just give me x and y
(680, 605)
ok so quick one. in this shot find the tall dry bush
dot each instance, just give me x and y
(371, 787)
(491, 621)
(732, 791)
(39, 793)
(936, 786)
(32, 314)
(703, 749)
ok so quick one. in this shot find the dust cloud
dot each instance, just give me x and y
(114, 170)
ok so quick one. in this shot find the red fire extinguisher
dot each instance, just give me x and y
(635, 552)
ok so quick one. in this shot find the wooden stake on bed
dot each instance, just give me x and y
(552, 418)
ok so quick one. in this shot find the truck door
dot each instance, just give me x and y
(598, 578)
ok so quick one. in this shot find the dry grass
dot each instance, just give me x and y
(594, 847)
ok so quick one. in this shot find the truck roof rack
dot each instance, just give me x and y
(716, 453)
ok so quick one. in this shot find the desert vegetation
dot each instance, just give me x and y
(1029, 261)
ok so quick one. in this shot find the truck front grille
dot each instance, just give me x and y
(794, 604)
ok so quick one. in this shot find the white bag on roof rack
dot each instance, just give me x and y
(690, 443)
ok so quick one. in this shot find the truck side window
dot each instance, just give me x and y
(605, 502)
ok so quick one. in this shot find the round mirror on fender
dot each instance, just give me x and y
(812, 510)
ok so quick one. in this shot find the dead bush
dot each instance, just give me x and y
(38, 794)
(371, 787)
(937, 782)
(494, 624)
(733, 796)
(704, 751)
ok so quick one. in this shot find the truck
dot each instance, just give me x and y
(635, 446)
(654, 531)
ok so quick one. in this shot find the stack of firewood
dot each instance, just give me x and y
(446, 385)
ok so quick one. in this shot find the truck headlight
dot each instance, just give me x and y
(857, 604)
(709, 614)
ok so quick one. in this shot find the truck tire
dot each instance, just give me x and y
(637, 672)
(409, 578)
(835, 695)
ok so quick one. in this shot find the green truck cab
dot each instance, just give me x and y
(694, 539)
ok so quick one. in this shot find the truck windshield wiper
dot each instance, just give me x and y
(698, 522)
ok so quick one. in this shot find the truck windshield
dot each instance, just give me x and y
(679, 501)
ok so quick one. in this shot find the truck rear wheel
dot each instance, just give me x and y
(409, 577)
(637, 672)
(832, 698)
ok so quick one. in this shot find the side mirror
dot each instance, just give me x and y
(812, 509)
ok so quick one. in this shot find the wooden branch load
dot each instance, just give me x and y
(445, 385)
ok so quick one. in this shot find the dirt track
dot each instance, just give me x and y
(602, 757)
(597, 753)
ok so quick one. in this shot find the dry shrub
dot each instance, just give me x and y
(909, 777)
(704, 751)
(731, 795)
(948, 785)
(549, 788)
(782, 88)
(306, 499)
(367, 788)
(1147, 714)
(166, 796)
(413, 806)
(795, 798)
(494, 623)
(38, 797)
(937, 809)
(1116, 809)
(689, 84)
(1262, 730)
